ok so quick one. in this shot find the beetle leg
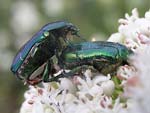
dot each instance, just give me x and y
(79, 36)
(60, 61)
(49, 70)
(67, 75)
(46, 72)
(75, 70)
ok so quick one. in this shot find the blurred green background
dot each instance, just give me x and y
(20, 19)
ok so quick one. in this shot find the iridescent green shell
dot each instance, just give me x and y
(104, 56)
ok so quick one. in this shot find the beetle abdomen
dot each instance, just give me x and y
(103, 56)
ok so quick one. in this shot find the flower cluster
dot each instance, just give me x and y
(82, 95)
(95, 92)
(133, 31)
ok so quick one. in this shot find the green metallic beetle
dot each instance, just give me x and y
(33, 61)
(103, 56)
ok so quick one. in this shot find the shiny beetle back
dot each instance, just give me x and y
(40, 48)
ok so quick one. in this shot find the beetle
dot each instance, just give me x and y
(33, 61)
(101, 55)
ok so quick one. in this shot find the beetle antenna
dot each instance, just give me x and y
(81, 37)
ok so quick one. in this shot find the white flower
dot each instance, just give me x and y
(137, 86)
(136, 34)
(68, 85)
(116, 37)
(108, 87)
(133, 31)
